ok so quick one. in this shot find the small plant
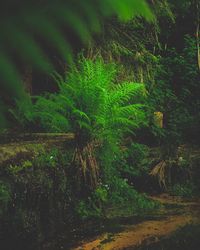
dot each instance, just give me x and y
(14, 169)
(184, 190)
(135, 160)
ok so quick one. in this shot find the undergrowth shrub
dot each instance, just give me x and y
(121, 192)
(94, 205)
(176, 93)
(187, 189)
(134, 162)
(35, 198)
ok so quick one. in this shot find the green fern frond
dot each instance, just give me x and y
(65, 101)
(53, 122)
(131, 110)
(122, 93)
(81, 114)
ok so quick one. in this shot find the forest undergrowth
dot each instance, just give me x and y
(130, 99)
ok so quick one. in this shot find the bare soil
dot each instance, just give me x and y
(176, 214)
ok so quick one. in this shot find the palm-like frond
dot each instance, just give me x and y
(51, 114)
(92, 103)
(121, 111)
(123, 92)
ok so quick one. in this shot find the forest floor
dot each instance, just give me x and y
(174, 214)
(117, 231)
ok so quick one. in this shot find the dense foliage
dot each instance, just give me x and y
(33, 34)
(130, 97)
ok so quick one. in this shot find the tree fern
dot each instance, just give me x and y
(94, 107)
(29, 27)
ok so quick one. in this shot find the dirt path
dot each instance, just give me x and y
(148, 231)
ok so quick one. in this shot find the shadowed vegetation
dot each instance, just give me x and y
(99, 113)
